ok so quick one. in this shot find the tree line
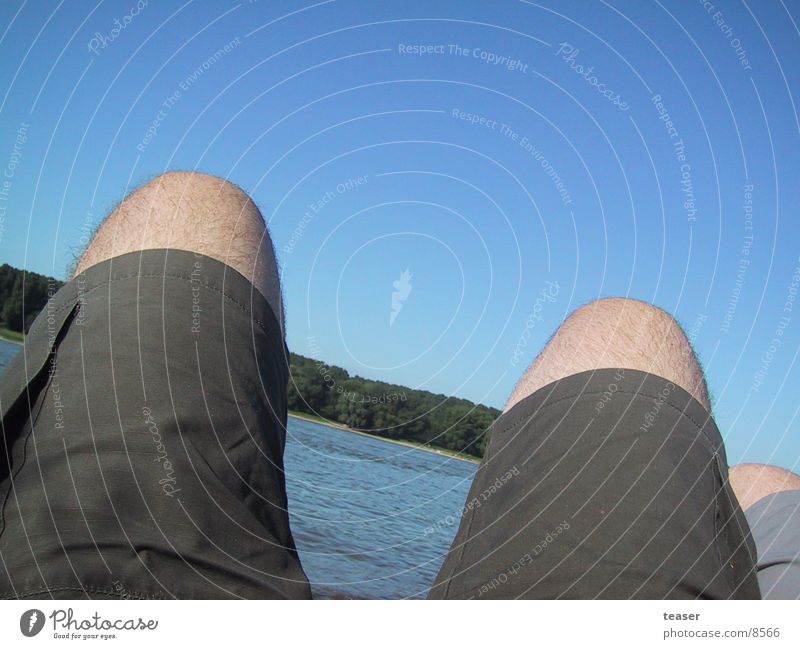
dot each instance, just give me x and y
(388, 410)
(23, 295)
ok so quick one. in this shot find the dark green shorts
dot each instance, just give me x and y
(606, 484)
(144, 428)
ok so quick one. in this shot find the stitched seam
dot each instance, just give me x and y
(717, 530)
(733, 506)
(31, 421)
(464, 595)
(100, 591)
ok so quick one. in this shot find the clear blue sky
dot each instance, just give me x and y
(586, 185)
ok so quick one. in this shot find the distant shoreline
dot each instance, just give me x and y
(11, 336)
(409, 444)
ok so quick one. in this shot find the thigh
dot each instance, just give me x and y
(144, 430)
(605, 484)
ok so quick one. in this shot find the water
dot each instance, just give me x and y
(371, 519)
(7, 351)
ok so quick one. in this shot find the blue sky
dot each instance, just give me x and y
(565, 174)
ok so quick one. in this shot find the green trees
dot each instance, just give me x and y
(388, 410)
(22, 296)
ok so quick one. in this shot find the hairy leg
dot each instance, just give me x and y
(617, 332)
(752, 482)
(195, 212)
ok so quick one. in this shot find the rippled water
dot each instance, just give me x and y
(7, 351)
(371, 519)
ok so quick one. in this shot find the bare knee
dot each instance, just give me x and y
(182, 210)
(752, 482)
(617, 332)
(195, 212)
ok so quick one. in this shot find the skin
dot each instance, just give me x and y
(752, 482)
(195, 212)
(617, 332)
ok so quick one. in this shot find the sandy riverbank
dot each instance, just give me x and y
(11, 336)
(401, 442)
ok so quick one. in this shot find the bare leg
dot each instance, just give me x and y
(630, 489)
(617, 332)
(194, 212)
(752, 482)
(158, 468)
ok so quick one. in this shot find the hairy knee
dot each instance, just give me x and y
(752, 482)
(182, 210)
(629, 333)
(198, 196)
(186, 210)
(618, 332)
(189, 207)
(622, 316)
